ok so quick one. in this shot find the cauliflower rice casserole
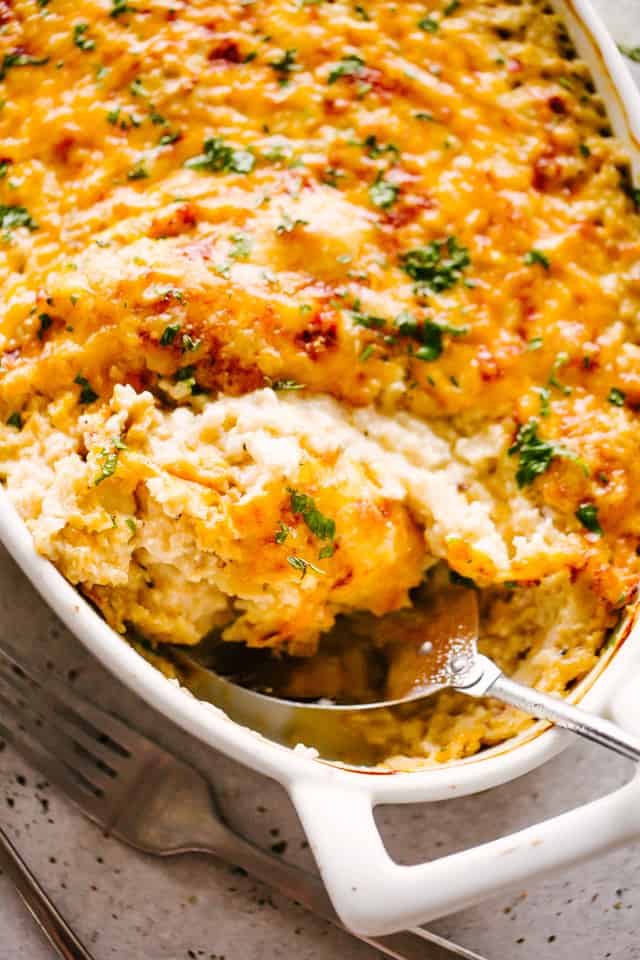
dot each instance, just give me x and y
(308, 306)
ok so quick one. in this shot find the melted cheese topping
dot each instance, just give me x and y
(382, 255)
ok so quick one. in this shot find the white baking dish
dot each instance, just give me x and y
(373, 894)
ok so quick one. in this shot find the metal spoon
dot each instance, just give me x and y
(446, 655)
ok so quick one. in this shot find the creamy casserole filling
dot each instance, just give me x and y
(306, 303)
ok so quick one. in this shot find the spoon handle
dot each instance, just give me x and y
(560, 712)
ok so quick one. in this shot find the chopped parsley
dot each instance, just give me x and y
(4, 167)
(430, 336)
(242, 245)
(119, 7)
(15, 420)
(285, 66)
(45, 322)
(438, 265)
(376, 150)
(537, 256)
(366, 320)
(451, 8)
(168, 138)
(13, 217)
(109, 460)
(322, 527)
(287, 225)
(535, 453)
(561, 359)
(362, 12)
(189, 344)
(587, 514)
(282, 532)
(351, 66)
(616, 397)
(286, 385)
(535, 343)
(130, 522)
(219, 157)
(367, 353)
(545, 406)
(383, 193)
(18, 59)
(428, 24)
(303, 565)
(80, 38)
(185, 373)
(87, 393)
(633, 53)
(139, 172)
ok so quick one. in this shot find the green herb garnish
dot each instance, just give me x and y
(303, 565)
(45, 322)
(139, 172)
(15, 420)
(322, 527)
(633, 53)
(81, 39)
(285, 66)
(616, 397)
(242, 245)
(428, 24)
(218, 157)
(189, 344)
(351, 66)
(536, 454)
(587, 514)
(438, 265)
(366, 320)
(13, 217)
(87, 393)
(285, 385)
(537, 256)
(383, 193)
(374, 149)
(287, 225)
(109, 460)
(282, 532)
(561, 359)
(120, 7)
(18, 59)
(168, 138)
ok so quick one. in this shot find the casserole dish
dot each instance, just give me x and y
(372, 894)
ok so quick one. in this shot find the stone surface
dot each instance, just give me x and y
(132, 907)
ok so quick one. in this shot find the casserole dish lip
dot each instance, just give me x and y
(209, 724)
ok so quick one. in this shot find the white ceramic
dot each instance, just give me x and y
(373, 894)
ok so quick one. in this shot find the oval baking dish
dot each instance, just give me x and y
(372, 894)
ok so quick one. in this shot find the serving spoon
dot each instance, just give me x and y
(445, 655)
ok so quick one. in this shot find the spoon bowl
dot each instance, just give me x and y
(442, 653)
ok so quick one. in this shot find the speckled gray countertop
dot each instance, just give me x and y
(132, 907)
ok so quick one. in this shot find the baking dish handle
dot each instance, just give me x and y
(374, 895)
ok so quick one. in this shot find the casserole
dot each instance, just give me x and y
(371, 893)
